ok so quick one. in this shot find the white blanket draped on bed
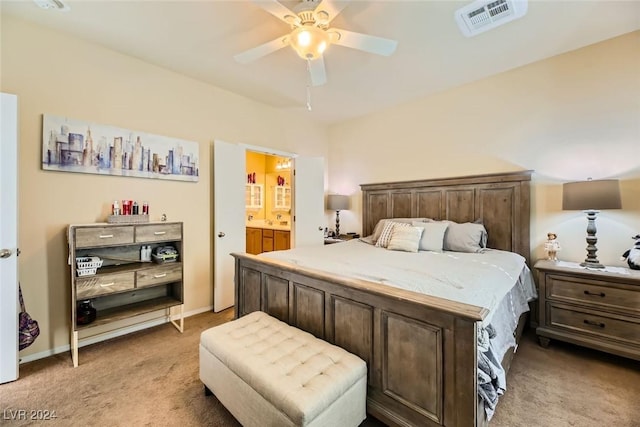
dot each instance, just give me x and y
(480, 279)
(496, 280)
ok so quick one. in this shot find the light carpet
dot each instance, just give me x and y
(150, 378)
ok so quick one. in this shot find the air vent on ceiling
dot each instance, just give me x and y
(482, 15)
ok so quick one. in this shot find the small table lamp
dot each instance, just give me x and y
(337, 202)
(590, 196)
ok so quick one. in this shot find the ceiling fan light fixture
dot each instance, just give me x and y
(291, 19)
(334, 36)
(309, 42)
(310, 36)
(322, 17)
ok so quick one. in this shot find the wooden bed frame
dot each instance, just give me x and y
(421, 351)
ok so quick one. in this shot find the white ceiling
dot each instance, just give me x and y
(199, 39)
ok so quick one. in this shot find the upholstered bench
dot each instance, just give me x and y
(267, 373)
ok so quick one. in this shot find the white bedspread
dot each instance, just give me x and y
(479, 279)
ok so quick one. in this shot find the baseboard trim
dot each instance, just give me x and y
(112, 334)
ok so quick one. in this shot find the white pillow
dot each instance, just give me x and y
(387, 230)
(405, 239)
(433, 235)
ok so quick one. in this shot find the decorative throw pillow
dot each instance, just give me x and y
(405, 239)
(387, 231)
(377, 230)
(433, 235)
(466, 237)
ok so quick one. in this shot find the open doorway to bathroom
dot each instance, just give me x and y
(268, 197)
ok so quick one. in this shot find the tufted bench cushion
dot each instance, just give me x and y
(299, 375)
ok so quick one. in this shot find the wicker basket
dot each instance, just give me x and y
(88, 262)
(88, 265)
(127, 219)
(86, 271)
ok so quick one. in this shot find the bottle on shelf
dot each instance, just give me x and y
(145, 253)
(86, 312)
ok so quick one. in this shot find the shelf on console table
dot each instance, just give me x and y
(135, 309)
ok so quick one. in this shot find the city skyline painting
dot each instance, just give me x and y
(70, 145)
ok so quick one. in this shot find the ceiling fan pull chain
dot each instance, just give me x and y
(308, 84)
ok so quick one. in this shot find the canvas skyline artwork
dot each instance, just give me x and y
(77, 146)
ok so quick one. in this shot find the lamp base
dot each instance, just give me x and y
(591, 264)
(592, 260)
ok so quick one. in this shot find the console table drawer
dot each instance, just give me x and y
(592, 293)
(158, 232)
(103, 236)
(161, 274)
(594, 323)
(89, 287)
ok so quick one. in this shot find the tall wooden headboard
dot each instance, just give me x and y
(500, 201)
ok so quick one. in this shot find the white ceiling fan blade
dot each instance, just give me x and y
(371, 44)
(262, 50)
(317, 72)
(329, 9)
(278, 10)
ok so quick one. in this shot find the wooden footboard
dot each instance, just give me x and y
(421, 351)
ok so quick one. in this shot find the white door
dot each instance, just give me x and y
(229, 233)
(8, 238)
(308, 201)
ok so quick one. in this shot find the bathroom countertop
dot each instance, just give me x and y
(261, 223)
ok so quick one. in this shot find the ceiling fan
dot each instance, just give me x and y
(310, 35)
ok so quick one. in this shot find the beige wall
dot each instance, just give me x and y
(56, 74)
(567, 118)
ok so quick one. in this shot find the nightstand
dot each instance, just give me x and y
(340, 238)
(599, 309)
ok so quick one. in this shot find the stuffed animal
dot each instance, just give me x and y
(632, 256)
